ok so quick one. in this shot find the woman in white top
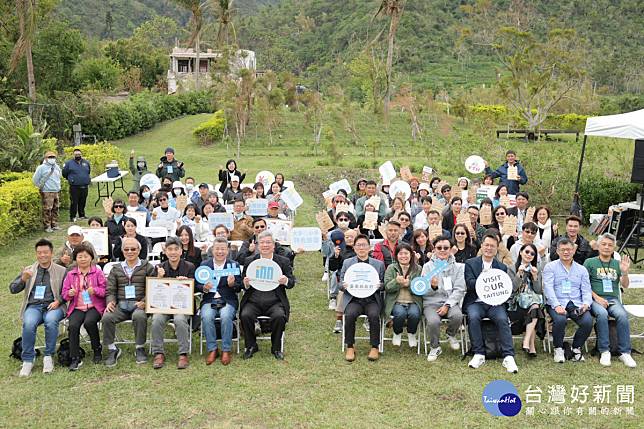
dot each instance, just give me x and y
(164, 212)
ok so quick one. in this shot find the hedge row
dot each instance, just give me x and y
(99, 155)
(501, 115)
(113, 121)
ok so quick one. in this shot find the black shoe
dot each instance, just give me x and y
(98, 355)
(278, 355)
(250, 351)
(141, 355)
(75, 364)
(112, 357)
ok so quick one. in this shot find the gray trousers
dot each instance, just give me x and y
(182, 330)
(454, 320)
(139, 323)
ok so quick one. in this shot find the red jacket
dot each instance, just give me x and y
(384, 251)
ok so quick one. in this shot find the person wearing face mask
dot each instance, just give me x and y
(145, 198)
(137, 170)
(191, 192)
(77, 172)
(47, 179)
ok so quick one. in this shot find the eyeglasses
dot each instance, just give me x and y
(163, 199)
(119, 206)
(259, 227)
(527, 231)
(403, 220)
(529, 252)
(343, 220)
(359, 245)
(460, 233)
(443, 248)
(500, 214)
(130, 249)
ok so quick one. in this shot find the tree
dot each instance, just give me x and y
(236, 96)
(26, 12)
(269, 102)
(196, 23)
(224, 11)
(56, 52)
(536, 75)
(314, 114)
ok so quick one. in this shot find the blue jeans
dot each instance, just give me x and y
(585, 323)
(409, 312)
(334, 284)
(227, 315)
(33, 316)
(476, 311)
(615, 310)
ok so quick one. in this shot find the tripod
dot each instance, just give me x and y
(636, 231)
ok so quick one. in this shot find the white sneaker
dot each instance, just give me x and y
(477, 361)
(627, 360)
(510, 365)
(396, 340)
(47, 365)
(325, 276)
(577, 356)
(366, 327)
(25, 371)
(454, 344)
(433, 354)
(412, 340)
(338, 327)
(604, 359)
(333, 304)
(560, 357)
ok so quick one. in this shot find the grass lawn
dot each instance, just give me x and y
(314, 386)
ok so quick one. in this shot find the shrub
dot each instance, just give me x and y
(98, 73)
(598, 193)
(99, 155)
(212, 130)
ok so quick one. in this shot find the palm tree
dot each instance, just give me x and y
(394, 9)
(224, 10)
(26, 12)
(196, 23)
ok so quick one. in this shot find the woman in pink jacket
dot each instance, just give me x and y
(84, 289)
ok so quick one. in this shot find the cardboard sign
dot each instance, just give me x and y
(493, 287)
(485, 215)
(361, 280)
(427, 174)
(225, 219)
(509, 225)
(342, 207)
(292, 199)
(374, 202)
(513, 172)
(324, 221)
(107, 206)
(382, 229)
(264, 274)
(169, 296)
(405, 173)
(257, 207)
(328, 197)
(434, 231)
(370, 220)
(309, 239)
(529, 215)
(181, 202)
(340, 184)
(99, 238)
(471, 195)
(464, 218)
(438, 206)
(504, 201)
(475, 164)
(387, 171)
(281, 230)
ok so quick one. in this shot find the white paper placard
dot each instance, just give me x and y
(257, 207)
(264, 274)
(151, 181)
(99, 239)
(169, 296)
(289, 184)
(475, 164)
(292, 199)
(307, 238)
(340, 184)
(400, 186)
(266, 177)
(387, 171)
(141, 218)
(494, 287)
(281, 230)
(225, 219)
(361, 280)
(229, 208)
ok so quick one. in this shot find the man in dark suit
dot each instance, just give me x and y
(273, 304)
(521, 209)
(477, 310)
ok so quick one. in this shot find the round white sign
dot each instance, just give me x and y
(151, 181)
(475, 164)
(400, 187)
(266, 177)
(494, 287)
(361, 280)
(264, 274)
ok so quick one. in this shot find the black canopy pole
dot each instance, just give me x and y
(576, 205)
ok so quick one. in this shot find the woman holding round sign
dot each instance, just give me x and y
(361, 278)
(399, 301)
(442, 289)
(525, 306)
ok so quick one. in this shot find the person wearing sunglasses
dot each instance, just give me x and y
(250, 248)
(525, 306)
(443, 299)
(528, 236)
(464, 245)
(115, 223)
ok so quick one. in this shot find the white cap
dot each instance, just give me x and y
(74, 229)
(424, 186)
(234, 179)
(177, 184)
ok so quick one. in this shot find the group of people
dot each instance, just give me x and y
(562, 275)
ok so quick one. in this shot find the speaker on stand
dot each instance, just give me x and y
(637, 176)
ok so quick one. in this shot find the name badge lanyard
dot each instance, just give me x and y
(129, 286)
(607, 282)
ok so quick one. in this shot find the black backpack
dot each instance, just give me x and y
(490, 339)
(16, 349)
(63, 356)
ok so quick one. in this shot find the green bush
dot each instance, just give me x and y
(212, 130)
(598, 193)
(98, 73)
(99, 155)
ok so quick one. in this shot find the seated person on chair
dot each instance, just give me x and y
(477, 310)
(273, 304)
(443, 299)
(126, 301)
(75, 238)
(174, 267)
(566, 285)
(219, 301)
(399, 301)
(41, 304)
(606, 277)
(371, 306)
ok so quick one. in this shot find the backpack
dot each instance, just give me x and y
(16, 349)
(491, 340)
(63, 356)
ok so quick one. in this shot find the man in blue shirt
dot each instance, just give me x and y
(566, 285)
(502, 173)
(77, 172)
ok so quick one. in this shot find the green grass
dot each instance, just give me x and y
(314, 386)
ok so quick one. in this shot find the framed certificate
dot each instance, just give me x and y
(169, 296)
(99, 239)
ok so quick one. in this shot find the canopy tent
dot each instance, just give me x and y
(625, 126)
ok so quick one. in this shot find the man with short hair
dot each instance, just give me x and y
(386, 249)
(607, 275)
(477, 310)
(201, 197)
(243, 224)
(126, 301)
(528, 236)
(219, 301)
(435, 218)
(446, 194)
(521, 209)
(75, 238)
(190, 188)
(133, 206)
(174, 267)
(273, 211)
(583, 248)
(473, 212)
(273, 304)
(420, 221)
(170, 167)
(47, 180)
(371, 189)
(77, 172)
(42, 304)
(502, 173)
(566, 286)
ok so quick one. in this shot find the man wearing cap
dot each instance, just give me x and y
(274, 211)
(47, 179)
(243, 224)
(169, 166)
(75, 238)
(77, 172)
(201, 197)
(232, 192)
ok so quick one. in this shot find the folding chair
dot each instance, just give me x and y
(462, 330)
(636, 311)
(383, 338)
(175, 340)
(267, 337)
(368, 338)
